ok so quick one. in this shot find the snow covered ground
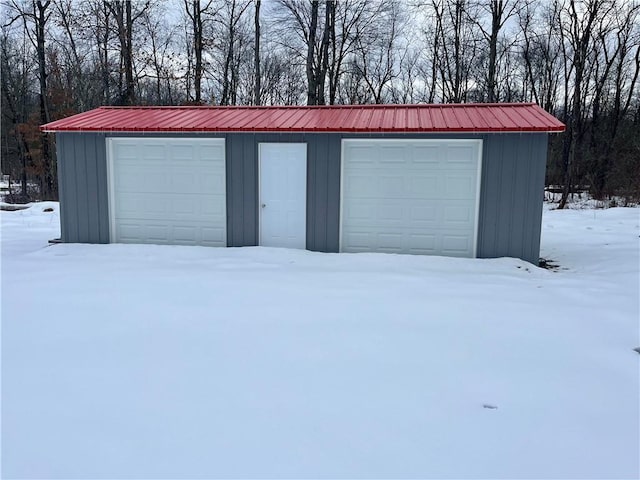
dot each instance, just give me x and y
(123, 361)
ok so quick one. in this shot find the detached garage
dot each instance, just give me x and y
(458, 180)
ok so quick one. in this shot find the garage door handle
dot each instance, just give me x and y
(263, 205)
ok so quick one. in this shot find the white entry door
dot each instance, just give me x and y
(283, 195)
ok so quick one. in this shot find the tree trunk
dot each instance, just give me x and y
(229, 57)
(197, 50)
(121, 10)
(41, 17)
(324, 52)
(497, 8)
(312, 86)
(256, 55)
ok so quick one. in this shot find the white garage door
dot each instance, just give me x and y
(167, 191)
(413, 196)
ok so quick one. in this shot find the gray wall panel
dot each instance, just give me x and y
(234, 149)
(319, 182)
(82, 178)
(333, 194)
(81, 187)
(62, 165)
(511, 199)
(535, 194)
(93, 220)
(71, 182)
(102, 188)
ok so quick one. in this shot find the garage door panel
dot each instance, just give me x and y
(142, 233)
(390, 241)
(390, 213)
(391, 186)
(429, 155)
(212, 151)
(361, 156)
(154, 152)
(360, 210)
(185, 234)
(145, 231)
(168, 191)
(456, 245)
(212, 236)
(212, 181)
(360, 186)
(182, 205)
(126, 151)
(422, 244)
(136, 205)
(416, 196)
(181, 152)
(460, 157)
(138, 179)
(424, 186)
(459, 187)
(356, 241)
(460, 215)
(425, 213)
(393, 155)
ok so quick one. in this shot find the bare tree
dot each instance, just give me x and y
(376, 62)
(35, 16)
(578, 29)
(14, 82)
(197, 11)
(256, 54)
(230, 22)
(499, 12)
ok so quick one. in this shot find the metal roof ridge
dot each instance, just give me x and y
(394, 106)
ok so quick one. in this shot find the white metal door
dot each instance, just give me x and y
(283, 195)
(167, 191)
(410, 196)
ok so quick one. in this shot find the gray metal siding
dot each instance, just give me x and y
(323, 192)
(511, 196)
(242, 191)
(510, 212)
(82, 178)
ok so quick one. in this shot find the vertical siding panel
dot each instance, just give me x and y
(250, 191)
(61, 156)
(228, 153)
(72, 190)
(508, 191)
(321, 179)
(236, 167)
(489, 196)
(311, 192)
(102, 187)
(333, 193)
(529, 207)
(84, 157)
(483, 199)
(536, 194)
(93, 206)
(520, 162)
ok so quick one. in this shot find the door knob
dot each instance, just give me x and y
(264, 205)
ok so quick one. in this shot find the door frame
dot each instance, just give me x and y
(477, 141)
(306, 186)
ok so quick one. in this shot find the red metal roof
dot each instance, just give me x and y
(469, 117)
